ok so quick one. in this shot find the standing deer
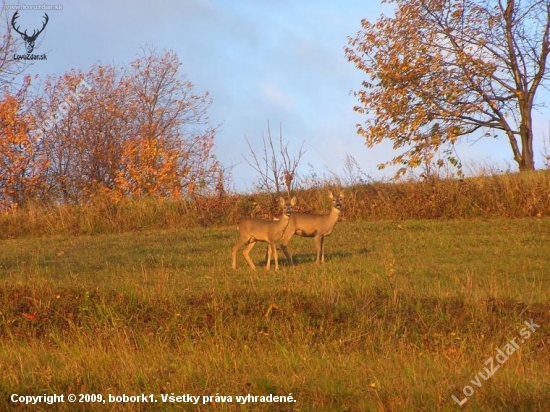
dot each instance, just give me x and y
(259, 230)
(315, 226)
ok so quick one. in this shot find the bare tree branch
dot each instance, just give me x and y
(276, 166)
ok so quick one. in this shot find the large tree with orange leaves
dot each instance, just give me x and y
(442, 69)
(169, 149)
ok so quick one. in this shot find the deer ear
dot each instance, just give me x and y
(342, 194)
(282, 201)
(330, 195)
(293, 201)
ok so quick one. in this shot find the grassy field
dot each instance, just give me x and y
(403, 316)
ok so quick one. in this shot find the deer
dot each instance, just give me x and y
(312, 225)
(29, 40)
(259, 230)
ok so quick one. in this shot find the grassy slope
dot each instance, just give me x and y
(401, 317)
(498, 196)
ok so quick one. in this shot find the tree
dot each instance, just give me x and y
(126, 133)
(22, 163)
(170, 149)
(443, 69)
(275, 166)
(82, 129)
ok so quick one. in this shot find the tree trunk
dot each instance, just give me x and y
(526, 162)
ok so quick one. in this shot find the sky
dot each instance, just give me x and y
(280, 62)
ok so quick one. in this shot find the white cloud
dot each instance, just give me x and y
(276, 96)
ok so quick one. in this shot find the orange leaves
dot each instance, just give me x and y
(128, 132)
(148, 169)
(447, 63)
(21, 162)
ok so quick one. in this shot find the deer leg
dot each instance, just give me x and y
(235, 249)
(273, 248)
(269, 253)
(287, 254)
(246, 251)
(323, 249)
(318, 243)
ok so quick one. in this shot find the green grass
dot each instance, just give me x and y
(401, 317)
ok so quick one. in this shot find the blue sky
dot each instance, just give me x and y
(281, 61)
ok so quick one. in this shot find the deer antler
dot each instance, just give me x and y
(34, 33)
(15, 16)
(43, 27)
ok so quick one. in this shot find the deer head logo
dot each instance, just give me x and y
(29, 40)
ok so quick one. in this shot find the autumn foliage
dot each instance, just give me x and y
(115, 133)
(22, 162)
(439, 70)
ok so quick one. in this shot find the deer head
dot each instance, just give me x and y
(29, 40)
